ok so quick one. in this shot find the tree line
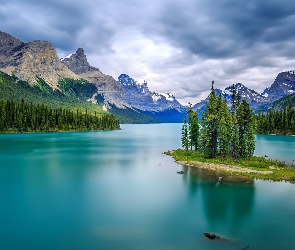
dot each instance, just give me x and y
(277, 121)
(28, 117)
(222, 132)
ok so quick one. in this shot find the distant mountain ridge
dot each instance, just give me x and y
(162, 106)
(139, 96)
(283, 86)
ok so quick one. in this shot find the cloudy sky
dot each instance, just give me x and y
(177, 46)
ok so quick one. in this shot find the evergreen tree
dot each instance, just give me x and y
(185, 135)
(194, 130)
(224, 128)
(246, 129)
(210, 126)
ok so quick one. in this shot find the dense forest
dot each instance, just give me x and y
(221, 132)
(277, 121)
(24, 117)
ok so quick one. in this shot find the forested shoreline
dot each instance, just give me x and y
(28, 117)
(281, 122)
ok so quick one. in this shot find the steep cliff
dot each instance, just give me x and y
(107, 86)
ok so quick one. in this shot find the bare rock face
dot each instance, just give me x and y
(30, 60)
(7, 44)
(107, 86)
(78, 64)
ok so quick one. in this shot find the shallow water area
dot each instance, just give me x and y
(117, 190)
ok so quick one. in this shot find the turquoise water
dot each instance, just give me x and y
(116, 190)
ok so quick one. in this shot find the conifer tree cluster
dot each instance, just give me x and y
(277, 121)
(222, 132)
(24, 117)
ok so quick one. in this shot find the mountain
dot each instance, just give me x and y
(274, 96)
(251, 96)
(108, 88)
(163, 106)
(283, 85)
(109, 91)
(30, 60)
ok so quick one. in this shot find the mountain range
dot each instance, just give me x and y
(132, 101)
(283, 86)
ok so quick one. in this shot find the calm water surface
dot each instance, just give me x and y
(116, 190)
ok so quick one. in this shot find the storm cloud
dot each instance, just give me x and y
(177, 46)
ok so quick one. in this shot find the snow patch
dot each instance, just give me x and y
(168, 96)
(156, 97)
(66, 57)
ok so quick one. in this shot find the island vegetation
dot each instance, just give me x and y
(224, 141)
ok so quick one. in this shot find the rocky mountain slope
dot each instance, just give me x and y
(107, 87)
(139, 96)
(162, 106)
(283, 85)
(125, 93)
(28, 60)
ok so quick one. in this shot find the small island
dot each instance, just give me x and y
(224, 141)
(232, 170)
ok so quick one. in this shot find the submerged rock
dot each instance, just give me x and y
(213, 236)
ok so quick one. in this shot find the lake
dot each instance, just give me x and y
(117, 190)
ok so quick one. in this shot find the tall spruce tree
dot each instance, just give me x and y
(224, 128)
(185, 134)
(195, 130)
(193, 127)
(210, 126)
(246, 125)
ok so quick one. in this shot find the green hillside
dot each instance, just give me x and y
(283, 102)
(73, 96)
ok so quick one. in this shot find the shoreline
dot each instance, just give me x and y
(271, 170)
(223, 167)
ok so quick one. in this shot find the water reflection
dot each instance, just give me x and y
(227, 204)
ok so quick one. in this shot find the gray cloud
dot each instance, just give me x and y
(178, 46)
